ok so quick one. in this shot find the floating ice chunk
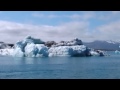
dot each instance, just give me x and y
(13, 52)
(21, 45)
(42, 50)
(51, 54)
(61, 50)
(36, 50)
(94, 53)
(31, 50)
(78, 50)
(117, 52)
(4, 52)
(31, 47)
(17, 52)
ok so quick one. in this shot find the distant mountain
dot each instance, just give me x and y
(103, 45)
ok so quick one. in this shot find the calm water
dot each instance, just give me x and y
(61, 67)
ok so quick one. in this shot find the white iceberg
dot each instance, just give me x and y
(31, 47)
(17, 52)
(60, 51)
(36, 50)
(6, 51)
(94, 53)
(78, 50)
(22, 44)
(117, 52)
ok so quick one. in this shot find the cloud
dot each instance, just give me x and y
(11, 32)
(84, 16)
(108, 15)
(41, 15)
(109, 31)
(115, 12)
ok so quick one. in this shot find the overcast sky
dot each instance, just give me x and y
(59, 25)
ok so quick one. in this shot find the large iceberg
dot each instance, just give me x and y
(69, 51)
(22, 44)
(31, 47)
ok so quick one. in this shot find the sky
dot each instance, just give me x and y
(59, 25)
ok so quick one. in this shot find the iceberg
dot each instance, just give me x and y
(22, 44)
(60, 51)
(36, 50)
(6, 51)
(78, 50)
(31, 47)
(94, 53)
(17, 52)
(98, 53)
(117, 52)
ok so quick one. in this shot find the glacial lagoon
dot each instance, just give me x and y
(95, 67)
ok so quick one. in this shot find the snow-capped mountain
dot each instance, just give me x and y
(105, 45)
(113, 42)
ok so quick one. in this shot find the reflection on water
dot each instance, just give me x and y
(26, 60)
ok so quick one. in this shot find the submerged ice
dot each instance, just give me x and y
(31, 47)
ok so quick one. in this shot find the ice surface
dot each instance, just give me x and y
(17, 52)
(31, 47)
(117, 52)
(78, 50)
(36, 50)
(6, 51)
(94, 53)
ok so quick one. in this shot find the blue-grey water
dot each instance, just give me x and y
(61, 67)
